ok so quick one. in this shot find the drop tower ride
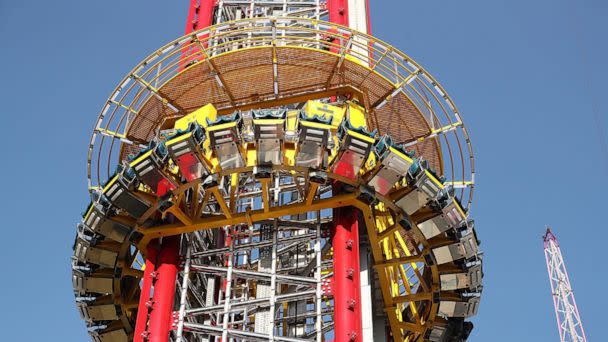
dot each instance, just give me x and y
(278, 174)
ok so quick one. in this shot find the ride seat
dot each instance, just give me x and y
(224, 137)
(86, 282)
(149, 164)
(119, 335)
(394, 163)
(85, 252)
(103, 312)
(186, 151)
(466, 248)
(269, 133)
(97, 220)
(118, 192)
(466, 308)
(469, 279)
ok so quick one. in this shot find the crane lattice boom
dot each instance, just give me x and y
(568, 319)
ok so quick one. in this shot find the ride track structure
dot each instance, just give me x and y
(278, 177)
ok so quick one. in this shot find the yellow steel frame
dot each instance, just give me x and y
(394, 252)
(390, 250)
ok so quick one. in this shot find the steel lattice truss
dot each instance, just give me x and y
(229, 10)
(568, 319)
(275, 272)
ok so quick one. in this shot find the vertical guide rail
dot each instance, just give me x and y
(183, 296)
(273, 280)
(569, 322)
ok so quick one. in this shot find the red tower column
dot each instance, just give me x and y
(200, 14)
(338, 11)
(162, 262)
(144, 297)
(345, 242)
(347, 283)
(164, 290)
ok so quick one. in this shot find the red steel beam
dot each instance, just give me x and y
(205, 14)
(338, 11)
(200, 14)
(345, 243)
(144, 297)
(346, 281)
(161, 315)
(191, 19)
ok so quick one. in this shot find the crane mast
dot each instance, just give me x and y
(568, 318)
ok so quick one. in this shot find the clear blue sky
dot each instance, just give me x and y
(525, 74)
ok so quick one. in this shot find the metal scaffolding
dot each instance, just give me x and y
(273, 273)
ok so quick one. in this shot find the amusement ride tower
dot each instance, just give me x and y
(278, 174)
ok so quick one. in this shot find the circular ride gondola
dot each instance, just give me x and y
(242, 144)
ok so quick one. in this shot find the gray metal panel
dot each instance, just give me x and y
(469, 278)
(112, 336)
(269, 152)
(113, 230)
(454, 217)
(454, 281)
(475, 276)
(469, 245)
(427, 185)
(105, 312)
(98, 285)
(384, 180)
(229, 156)
(84, 252)
(434, 226)
(393, 168)
(437, 333)
(310, 154)
(447, 254)
(396, 163)
(413, 201)
(464, 308)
